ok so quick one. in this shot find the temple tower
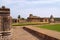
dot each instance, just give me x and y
(51, 20)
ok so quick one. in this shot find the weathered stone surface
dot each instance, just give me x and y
(43, 33)
(5, 19)
(5, 23)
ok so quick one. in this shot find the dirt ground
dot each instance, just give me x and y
(18, 33)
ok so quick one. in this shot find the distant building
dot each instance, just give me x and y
(21, 20)
(14, 20)
(57, 20)
(32, 18)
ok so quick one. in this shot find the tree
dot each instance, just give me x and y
(18, 16)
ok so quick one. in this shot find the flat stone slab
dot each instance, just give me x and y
(51, 33)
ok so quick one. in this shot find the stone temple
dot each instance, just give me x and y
(5, 21)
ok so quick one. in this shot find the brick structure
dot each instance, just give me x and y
(5, 19)
(32, 18)
(21, 20)
(15, 20)
(45, 19)
(5, 23)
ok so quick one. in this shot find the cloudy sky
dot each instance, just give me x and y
(42, 8)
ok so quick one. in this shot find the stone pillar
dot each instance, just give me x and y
(10, 21)
(51, 20)
(0, 24)
(5, 22)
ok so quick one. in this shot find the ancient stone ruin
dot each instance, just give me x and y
(5, 21)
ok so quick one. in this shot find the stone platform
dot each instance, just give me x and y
(45, 34)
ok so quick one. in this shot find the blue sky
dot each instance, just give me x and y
(41, 8)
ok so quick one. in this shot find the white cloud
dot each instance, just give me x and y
(29, 2)
(19, 4)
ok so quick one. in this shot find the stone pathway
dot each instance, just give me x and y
(19, 33)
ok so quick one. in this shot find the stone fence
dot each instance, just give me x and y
(42, 34)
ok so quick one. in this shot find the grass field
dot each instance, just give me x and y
(28, 23)
(55, 27)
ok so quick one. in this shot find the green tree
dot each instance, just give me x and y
(19, 17)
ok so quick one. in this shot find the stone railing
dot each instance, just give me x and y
(43, 34)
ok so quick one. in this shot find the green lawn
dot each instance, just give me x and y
(28, 23)
(55, 27)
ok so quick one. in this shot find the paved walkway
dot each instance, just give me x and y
(20, 34)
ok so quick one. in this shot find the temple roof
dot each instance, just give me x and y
(33, 17)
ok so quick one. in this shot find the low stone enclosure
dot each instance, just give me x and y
(42, 35)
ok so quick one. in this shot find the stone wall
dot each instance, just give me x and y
(39, 35)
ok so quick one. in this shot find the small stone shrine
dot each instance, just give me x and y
(5, 21)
